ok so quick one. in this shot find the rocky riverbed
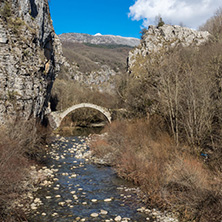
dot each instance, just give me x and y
(74, 189)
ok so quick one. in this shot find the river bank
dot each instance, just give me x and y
(174, 178)
(22, 154)
(76, 190)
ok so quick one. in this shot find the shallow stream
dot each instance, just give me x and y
(82, 191)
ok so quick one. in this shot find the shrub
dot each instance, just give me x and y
(6, 10)
(66, 94)
(171, 176)
(190, 187)
(135, 152)
(15, 24)
(20, 143)
(182, 85)
(214, 25)
(30, 136)
(161, 22)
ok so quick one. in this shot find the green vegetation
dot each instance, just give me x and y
(160, 22)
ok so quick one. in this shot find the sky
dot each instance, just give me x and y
(127, 17)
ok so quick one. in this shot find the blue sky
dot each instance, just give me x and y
(94, 16)
(127, 17)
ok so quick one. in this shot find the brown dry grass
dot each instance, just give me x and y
(21, 143)
(171, 176)
(88, 55)
(192, 189)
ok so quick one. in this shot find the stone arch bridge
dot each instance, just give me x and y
(55, 118)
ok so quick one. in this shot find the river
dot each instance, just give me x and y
(81, 191)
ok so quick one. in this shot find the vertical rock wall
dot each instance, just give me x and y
(29, 58)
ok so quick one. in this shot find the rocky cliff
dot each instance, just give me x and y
(94, 66)
(163, 38)
(29, 58)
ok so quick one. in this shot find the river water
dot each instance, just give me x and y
(81, 191)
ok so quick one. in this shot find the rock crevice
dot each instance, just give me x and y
(29, 58)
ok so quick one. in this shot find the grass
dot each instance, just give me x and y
(21, 144)
(86, 56)
(172, 176)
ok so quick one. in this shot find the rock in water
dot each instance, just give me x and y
(94, 215)
(118, 218)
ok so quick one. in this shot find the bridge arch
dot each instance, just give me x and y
(55, 118)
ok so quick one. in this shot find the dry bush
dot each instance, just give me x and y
(69, 93)
(190, 188)
(172, 177)
(12, 172)
(214, 25)
(66, 94)
(145, 153)
(183, 86)
(30, 136)
(20, 143)
(112, 144)
(101, 148)
(187, 172)
(139, 151)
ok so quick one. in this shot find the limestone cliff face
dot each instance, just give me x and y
(161, 39)
(102, 79)
(29, 58)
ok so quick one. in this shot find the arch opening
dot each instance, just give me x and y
(57, 117)
(84, 117)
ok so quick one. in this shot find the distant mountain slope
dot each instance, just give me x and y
(99, 39)
(90, 57)
(95, 61)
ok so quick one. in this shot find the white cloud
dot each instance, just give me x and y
(192, 13)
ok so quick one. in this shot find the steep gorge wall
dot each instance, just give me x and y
(161, 39)
(29, 58)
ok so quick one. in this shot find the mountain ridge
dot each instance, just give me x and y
(99, 39)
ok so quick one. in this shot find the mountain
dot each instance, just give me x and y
(92, 57)
(99, 39)
(95, 61)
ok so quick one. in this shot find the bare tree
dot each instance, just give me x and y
(214, 25)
